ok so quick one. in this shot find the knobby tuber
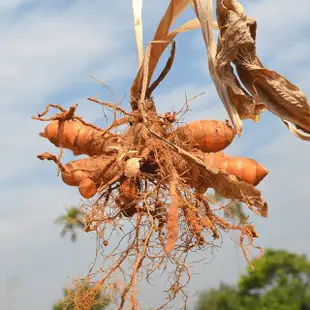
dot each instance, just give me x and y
(207, 135)
(77, 137)
(88, 174)
(244, 168)
(95, 169)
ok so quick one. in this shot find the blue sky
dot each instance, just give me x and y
(48, 48)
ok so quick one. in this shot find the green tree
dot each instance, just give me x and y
(100, 301)
(73, 219)
(279, 281)
(224, 297)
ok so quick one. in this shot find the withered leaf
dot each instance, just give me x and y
(235, 37)
(203, 10)
(279, 95)
(175, 8)
(137, 12)
(267, 88)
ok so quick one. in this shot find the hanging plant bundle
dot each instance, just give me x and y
(147, 185)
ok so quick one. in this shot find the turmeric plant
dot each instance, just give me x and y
(154, 174)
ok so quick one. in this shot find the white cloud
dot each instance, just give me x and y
(47, 52)
(33, 251)
(278, 26)
(30, 218)
(282, 38)
(13, 4)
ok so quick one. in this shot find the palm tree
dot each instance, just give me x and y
(73, 219)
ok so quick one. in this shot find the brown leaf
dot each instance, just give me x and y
(279, 95)
(137, 12)
(296, 132)
(188, 26)
(175, 8)
(235, 36)
(267, 88)
(203, 9)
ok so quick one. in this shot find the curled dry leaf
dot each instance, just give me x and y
(137, 12)
(204, 12)
(296, 132)
(233, 41)
(267, 88)
(280, 96)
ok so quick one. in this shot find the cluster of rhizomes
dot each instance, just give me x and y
(156, 156)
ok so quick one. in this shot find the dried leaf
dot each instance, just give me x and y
(175, 8)
(280, 96)
(299, 134)
(230, 42)
(267, 88)
(203, 9)
(137, 12)
(188, 26)
(164, 73)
